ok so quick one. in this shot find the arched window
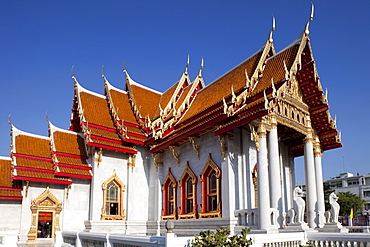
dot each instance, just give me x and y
(113, 190)
(169, 197)
(188, 185)
(211, 190)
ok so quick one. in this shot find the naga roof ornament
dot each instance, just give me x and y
(306, 30)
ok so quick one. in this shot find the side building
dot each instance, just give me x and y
(347, 182)
(204, 156)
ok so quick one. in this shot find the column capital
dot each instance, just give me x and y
(262, 130)
(309, 136)
(273, 121)
(317, 147)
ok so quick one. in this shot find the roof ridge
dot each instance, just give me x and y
(82, 89)
(132, 82)
(17, 132)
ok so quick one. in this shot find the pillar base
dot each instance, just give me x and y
(333, 227)
(296, 227)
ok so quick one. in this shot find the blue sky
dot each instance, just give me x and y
(41, 40)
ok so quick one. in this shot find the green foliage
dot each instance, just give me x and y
(308, 244)
(221, 237)
(347, 200)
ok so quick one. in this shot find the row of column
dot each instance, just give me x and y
(269, 187)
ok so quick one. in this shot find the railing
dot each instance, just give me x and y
(247, 217)
(289, 239)
(338, 239)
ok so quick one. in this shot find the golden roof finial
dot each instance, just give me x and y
(201, 68)
(307, 31)
(187, 65)
(102, 73)
(272, 29)
(124, 66)
(73, 74)
(9, 121)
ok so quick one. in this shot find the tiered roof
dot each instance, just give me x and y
(8, 189)
(120, 119)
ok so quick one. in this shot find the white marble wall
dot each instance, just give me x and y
(76, 207)
(10, 211)
(208, 143)
(101, 172)
(35, 190)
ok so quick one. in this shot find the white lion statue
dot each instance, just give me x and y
(333, 198)
(299, 204)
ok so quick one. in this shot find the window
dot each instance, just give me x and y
(211, 190)
(113, 190)
(111, 202)
(366, 193)
(188, 181)
(169, 197)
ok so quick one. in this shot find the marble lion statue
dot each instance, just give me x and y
(333, 198)
(299, 204)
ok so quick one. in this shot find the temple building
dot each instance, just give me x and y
(204, 156)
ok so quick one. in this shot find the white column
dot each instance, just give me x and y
(309, 165)
(274, 169)
(319, 183)
(263, 181)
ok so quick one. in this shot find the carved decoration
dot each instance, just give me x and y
(223, 144)
(175, 155)
(98, 156)
(195, 146)
(255, 184)
(131, 161)
(27, 187)
(158, 160)
(255, 137)
(317, 147)
(45, 202)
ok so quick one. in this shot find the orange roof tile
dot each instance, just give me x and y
(74, 171)
(29, 145)
(96, 110)
(5, 173)
(275, 68)
(72, 161)
(37, 164)
(215, 92)
(122, 106)
(69, 143)
(146, 100)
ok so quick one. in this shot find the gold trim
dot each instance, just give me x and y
(217, 213)
(46, 202)
(195, 146)
(191, 174)
(131, 161)
(175, 155)
(158, 160)
(122, 214)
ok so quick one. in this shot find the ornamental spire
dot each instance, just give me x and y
(187, 65)
(306, 30)
(272, 29)
(201, 68)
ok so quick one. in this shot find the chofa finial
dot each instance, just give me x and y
(307, 31)
(201, 68)
(272, 29)
(124, 66)
(187, 65)
(9, 121)
(102, 73)
(46, 116)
